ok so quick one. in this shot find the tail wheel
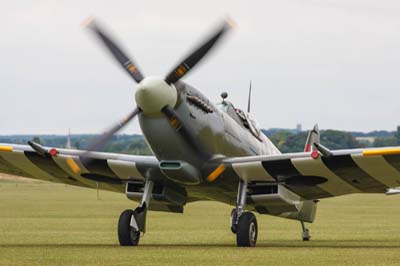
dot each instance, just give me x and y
(127, 235)
(247, 230)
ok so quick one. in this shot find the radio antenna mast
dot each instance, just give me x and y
(249, 100)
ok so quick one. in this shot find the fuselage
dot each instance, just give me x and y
(220, 129)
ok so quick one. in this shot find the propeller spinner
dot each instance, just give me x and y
(153, 93)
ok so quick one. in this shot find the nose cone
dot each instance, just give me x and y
(153, 93)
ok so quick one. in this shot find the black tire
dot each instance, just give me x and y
(233, 220)
(127, 236)
(247, 230)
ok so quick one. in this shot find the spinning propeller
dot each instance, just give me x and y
(154, 94)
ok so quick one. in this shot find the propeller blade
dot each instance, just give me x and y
(190, 61)
(186, 133)
(128, 64)
(106, 136)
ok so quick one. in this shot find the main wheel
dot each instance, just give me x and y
(247, 230)
(233, 220)
(127, 235)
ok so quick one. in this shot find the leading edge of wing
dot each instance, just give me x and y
(91, 154)
(383, 151)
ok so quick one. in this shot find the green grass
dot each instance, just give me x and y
(51, 224)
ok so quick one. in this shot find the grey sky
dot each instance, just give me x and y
(331, 62)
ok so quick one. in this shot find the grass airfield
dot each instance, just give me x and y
(53, 224)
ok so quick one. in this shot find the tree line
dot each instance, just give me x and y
(286, 140)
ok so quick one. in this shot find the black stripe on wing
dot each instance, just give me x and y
(48, 165)
(345, 168)
(304, 186)
(99, 171)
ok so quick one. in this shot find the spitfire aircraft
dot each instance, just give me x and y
(205, 151)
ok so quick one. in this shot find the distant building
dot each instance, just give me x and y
(370, 140)
(299, 128)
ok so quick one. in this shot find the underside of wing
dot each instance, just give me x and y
(107, 171)
(315, 177)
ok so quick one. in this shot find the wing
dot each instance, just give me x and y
(343, 172)
(110, 170)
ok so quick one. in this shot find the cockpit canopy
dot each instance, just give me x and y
(241, 117)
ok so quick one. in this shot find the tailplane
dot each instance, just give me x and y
(313, 138)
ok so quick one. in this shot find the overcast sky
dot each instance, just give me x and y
(335, 62)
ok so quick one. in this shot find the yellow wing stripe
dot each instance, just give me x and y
(6, 148)
(217, 172)
(73, 165)
(381, 152)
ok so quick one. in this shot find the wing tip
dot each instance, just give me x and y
(6, 148)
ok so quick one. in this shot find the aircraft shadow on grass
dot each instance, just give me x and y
(342, 244)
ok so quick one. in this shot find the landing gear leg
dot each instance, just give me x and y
(306, 233)
(132, 222)
(243, 224)
(240, 205)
